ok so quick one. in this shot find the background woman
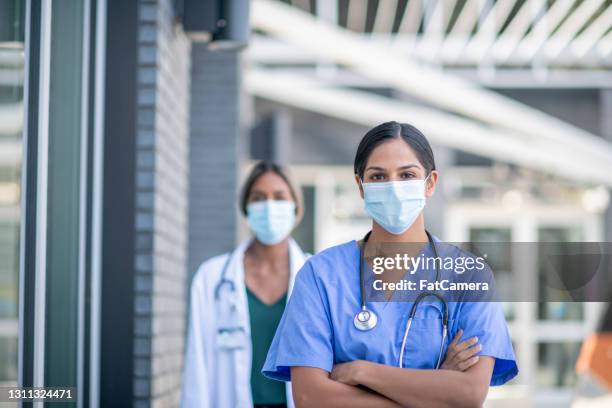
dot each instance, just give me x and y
(238, 298)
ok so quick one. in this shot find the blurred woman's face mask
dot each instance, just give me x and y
(272, 220)
(394, 205)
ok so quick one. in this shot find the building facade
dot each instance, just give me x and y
(96, 101)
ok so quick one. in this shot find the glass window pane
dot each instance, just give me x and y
(556, 362)
(495, 243)
(63, 193)
(499, 255)
(12, 22)
(8, 351)
(557, 310)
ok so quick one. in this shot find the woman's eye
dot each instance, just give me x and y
(281, 197)
(377, 177)
(407, 175)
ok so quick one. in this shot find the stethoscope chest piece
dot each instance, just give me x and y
(365, 320)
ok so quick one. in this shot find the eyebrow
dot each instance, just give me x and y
(408, 166)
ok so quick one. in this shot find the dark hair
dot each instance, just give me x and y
(394, 130)
(259, 170)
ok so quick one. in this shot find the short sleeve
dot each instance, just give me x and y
(486, 321)
(304, 334)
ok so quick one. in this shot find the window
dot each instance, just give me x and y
(556, 362)
(495, 242)
(557, 310)
(12, 16)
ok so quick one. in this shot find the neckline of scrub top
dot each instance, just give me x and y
(283, 298)
(426, 250)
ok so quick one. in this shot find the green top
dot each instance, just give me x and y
(264, 320)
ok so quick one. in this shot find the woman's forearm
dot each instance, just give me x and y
(428, 388)
(312, 387)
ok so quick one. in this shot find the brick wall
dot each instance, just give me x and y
(161, 205)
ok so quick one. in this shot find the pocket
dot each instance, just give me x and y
(423, 342)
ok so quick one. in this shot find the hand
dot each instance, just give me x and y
(461, 356)
(346, 373)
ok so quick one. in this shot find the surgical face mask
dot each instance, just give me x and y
(394, 205)
(271, 221)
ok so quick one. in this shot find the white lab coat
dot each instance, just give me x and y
(216, 378)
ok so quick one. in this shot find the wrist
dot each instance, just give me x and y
(360, 374)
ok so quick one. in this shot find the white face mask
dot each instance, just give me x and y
(271, 221)
(395, 205)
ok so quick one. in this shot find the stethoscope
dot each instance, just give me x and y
(366, 319)
(224, 281)
(230, 334)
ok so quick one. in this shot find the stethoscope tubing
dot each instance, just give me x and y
(364, 326)
(223, 280)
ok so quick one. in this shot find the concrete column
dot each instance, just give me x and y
(216, 151)
(271, 138)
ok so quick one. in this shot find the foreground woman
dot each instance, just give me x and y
(340, 350)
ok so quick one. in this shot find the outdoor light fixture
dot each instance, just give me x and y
(224, 24)
(232, 26)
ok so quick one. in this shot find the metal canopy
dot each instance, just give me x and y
(502, 116)
(551, 34)
(368, 109)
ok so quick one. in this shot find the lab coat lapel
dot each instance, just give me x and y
(241, 357)
(296, 259)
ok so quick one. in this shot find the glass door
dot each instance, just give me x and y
(51, 214)
(547, 335)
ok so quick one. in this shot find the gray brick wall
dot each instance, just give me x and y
(164, 54)
(216, 150)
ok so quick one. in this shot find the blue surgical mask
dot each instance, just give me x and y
(271, 221)
(394, 205)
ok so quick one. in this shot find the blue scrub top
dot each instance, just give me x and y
(317, 329)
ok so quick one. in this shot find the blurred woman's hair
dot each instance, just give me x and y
(264, 167)
(394, 130)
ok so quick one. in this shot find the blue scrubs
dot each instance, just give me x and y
(317, 329)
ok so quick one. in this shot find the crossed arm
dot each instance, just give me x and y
(313, 387)
(367, 384)
(391, 386)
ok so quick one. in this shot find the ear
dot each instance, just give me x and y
(430, 184)
(358, 181)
